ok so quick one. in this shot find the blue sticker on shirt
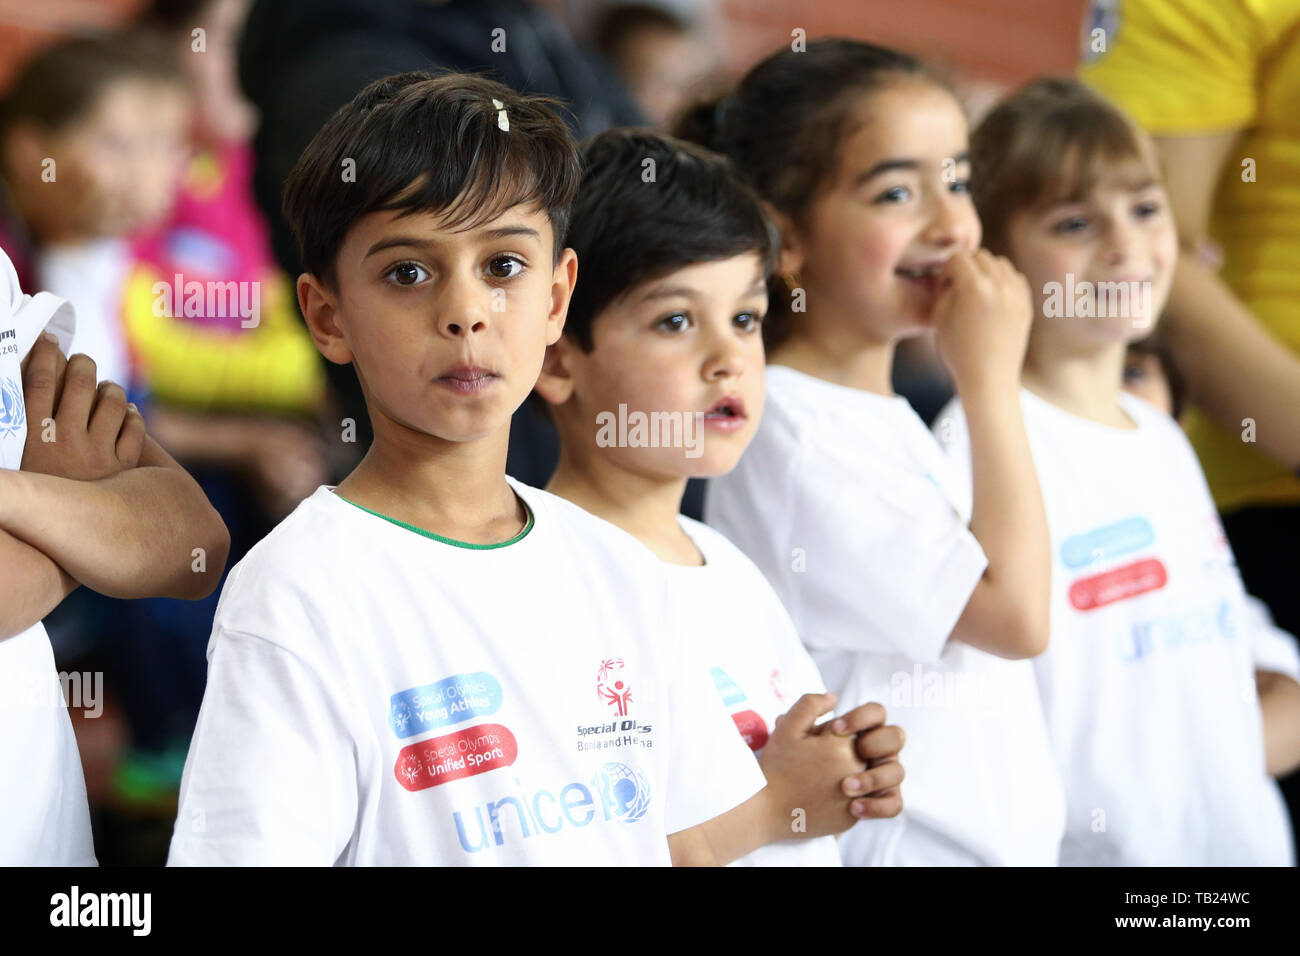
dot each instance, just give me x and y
(728, 688)
(445, 702)
(1110, 541)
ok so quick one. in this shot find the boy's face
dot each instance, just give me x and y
(447, 330)
(898, 209)
(688, 344)
(122, 163)
(1111, 254)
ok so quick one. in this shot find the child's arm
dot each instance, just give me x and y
(121, 520)
(982, 324)
(148, 531)
(1279, 704)
(691, 848)
(806, 794)
(31, 586)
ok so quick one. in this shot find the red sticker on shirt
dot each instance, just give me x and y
(752, 728)
(1118, 584)
(465, 753)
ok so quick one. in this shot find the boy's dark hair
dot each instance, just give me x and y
(1049, 141)
(784, 123)
(648, 205)
(430, 142)
(64, 81)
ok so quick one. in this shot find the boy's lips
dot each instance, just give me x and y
(467, 379)
(726, 414)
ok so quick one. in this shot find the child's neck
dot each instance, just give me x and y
(837, 352)
(1086, 384)
(453, 489)
(644, 505)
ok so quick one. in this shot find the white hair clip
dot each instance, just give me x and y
(503, 121)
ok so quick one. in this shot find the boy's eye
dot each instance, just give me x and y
(505, 267)
(748, 320)
(960, 186)
(1072, 224)
(897, 194)
(407, 273)
(673, 323)
(1147, 209)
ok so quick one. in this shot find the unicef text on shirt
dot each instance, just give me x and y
(624, 799)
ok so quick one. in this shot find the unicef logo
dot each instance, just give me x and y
(624, 791)
(12, 414)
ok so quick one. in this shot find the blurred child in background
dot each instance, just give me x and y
(1170, 697)
(94, 134)
(663, 59)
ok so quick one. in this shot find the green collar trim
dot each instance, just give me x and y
(528, 526)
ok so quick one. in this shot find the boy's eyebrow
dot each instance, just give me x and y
(490, 235)
(673, 291)
(886, 165)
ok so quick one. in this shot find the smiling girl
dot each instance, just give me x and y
(1170, 697)
(904, 589)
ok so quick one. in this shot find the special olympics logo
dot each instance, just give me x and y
(611, 688)
(410, 768)
(624, 791)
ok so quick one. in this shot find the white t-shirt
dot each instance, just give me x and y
(758, 665)
(378, 695)
(847, 504)
(44, 816)
(92, 276)
(1148, 683)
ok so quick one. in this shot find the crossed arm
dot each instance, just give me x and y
(101, 505)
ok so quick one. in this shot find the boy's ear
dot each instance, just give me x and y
(320, 311)
(555, 384)
(563, 280)
(792, 254)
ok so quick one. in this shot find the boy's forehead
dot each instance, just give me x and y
(388, 227)
(742, 274)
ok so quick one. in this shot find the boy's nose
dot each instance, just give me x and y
(462, 311)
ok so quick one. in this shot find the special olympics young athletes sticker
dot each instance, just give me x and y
(451, 700)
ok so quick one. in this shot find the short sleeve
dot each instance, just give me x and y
(34, 314)
(1178, 66)
(710, 768)
(889, 563)
(1272, 649)
(270, 778)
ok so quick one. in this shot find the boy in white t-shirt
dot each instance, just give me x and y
(664, 336)
(1170, 697)
(86, 497)
(432, 663)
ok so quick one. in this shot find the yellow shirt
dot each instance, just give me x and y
(271, 368)
(1186, 67)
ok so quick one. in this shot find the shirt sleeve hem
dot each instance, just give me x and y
(946, 596)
